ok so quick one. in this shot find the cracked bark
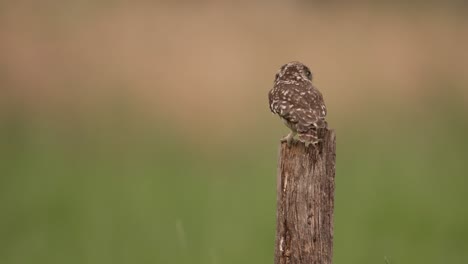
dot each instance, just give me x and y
(305, 202)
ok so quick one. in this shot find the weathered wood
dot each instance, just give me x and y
(305, 202)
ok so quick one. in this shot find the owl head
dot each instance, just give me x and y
(294, 71)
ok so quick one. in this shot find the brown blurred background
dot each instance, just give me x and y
(131, 115)
(205, 61)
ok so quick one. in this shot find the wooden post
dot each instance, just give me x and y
(305, 202)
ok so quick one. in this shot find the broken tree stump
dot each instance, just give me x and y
(305, 202)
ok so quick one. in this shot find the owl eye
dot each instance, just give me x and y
(308, 74)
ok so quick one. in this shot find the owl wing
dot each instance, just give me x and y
(318, 106)
(303, 106)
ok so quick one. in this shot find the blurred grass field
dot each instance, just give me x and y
(124, 192)
(122, 145)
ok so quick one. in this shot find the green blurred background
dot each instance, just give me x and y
(139, 132)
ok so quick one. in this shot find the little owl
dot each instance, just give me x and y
(298, 103)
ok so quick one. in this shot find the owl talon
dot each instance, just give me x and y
(289, 139)
(313, 143)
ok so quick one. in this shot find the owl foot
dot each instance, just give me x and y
(313, 143)
(289, 139)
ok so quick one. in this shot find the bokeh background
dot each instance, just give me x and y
(139, 132)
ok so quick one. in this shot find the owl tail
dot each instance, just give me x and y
(309, 137)
(321, 123)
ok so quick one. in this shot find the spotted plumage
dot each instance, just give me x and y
(298, 103)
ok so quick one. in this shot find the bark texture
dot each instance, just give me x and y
(305, 202)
